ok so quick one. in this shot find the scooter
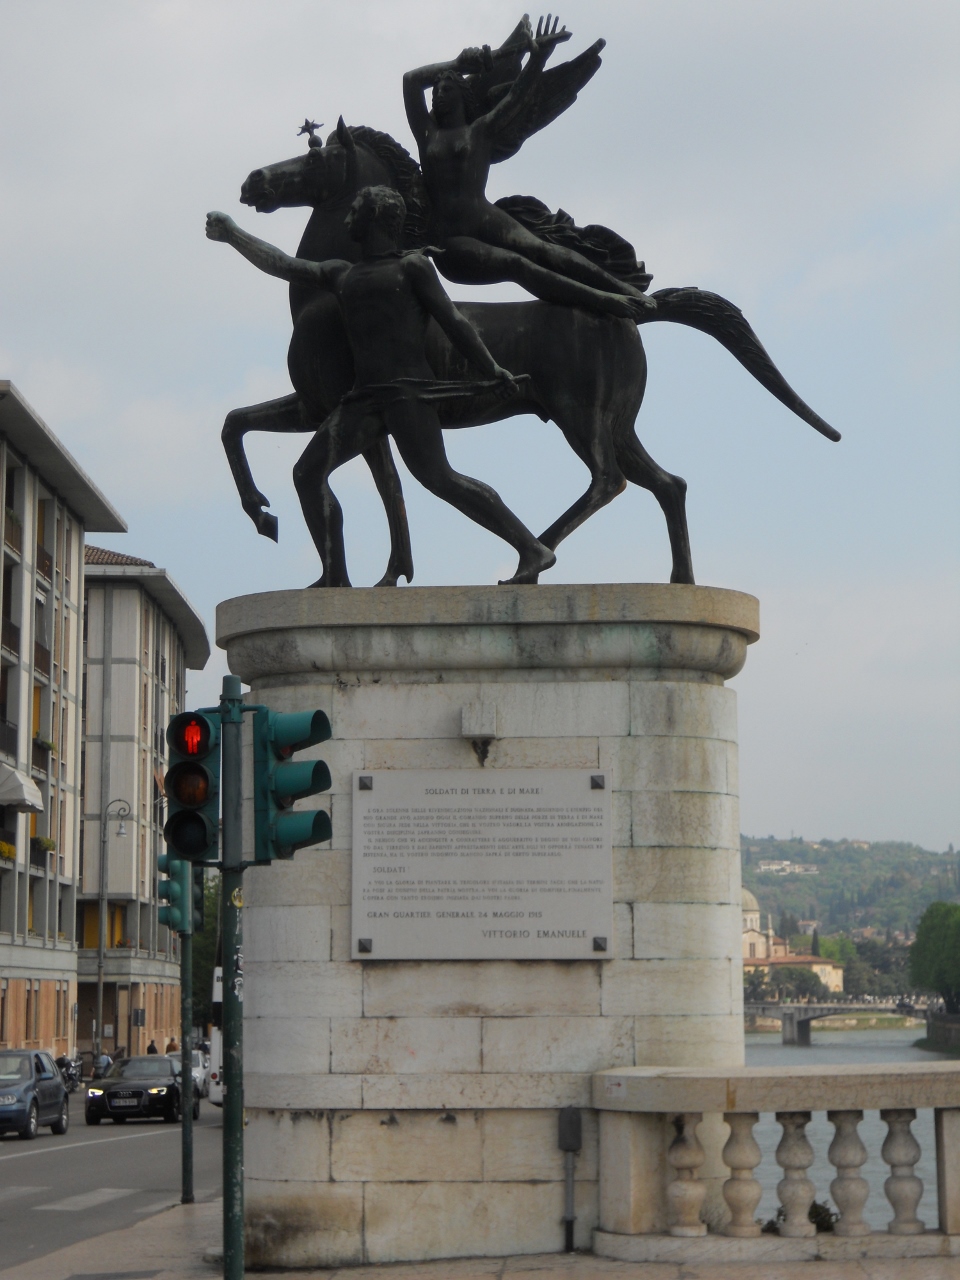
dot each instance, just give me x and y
(70, 1070)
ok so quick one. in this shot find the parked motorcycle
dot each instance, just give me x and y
(71, 1070)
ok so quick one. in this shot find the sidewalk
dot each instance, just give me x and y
(172, 1245)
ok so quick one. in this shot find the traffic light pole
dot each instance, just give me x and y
(231, 719)
(186, 1065)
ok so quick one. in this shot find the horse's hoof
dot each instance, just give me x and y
(268, 525)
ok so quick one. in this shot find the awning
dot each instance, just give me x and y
(17, 791)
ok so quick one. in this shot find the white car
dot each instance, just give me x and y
(200, 1080)
(216, 1067)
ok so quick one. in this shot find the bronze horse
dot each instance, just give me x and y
(587, 372)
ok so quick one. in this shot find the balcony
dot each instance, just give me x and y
(9, 741)
(8, 845)
(40, 755)
(45, 564)
(41, 659)
(652, 1196)
(40, 847)
(10, 638)
(13, 532)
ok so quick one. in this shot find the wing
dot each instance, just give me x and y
(549, 96)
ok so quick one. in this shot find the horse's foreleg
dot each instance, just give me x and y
(379, 459)
(671, 493)
(283, 415)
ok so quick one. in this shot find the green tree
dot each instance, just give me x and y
(815, 943)
(794, 983)
(788, 926)
(754, 986)
(935, 954)
(837, 948)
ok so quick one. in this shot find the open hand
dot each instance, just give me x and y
(548, 36)
(219, 226)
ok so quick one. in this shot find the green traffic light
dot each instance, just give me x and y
(297, 730)
(303, 778)
(295, 830)
(278, 782)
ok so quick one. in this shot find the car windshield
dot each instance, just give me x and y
(15, 1068)
(140, 1069)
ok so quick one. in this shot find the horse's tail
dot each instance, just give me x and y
(714, 315)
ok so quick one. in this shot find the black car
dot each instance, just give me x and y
(31, 1093)
(145, 1087)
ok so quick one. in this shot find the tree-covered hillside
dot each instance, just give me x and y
(886, 885)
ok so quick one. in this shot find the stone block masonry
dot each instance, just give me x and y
(403, 1110)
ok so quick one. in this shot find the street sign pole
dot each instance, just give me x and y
(231, 719)
(186, 1065)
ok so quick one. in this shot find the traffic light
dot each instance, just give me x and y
(192, 786)
(278, 781)
(177, 892)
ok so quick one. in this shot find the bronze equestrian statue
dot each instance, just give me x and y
(575, 358)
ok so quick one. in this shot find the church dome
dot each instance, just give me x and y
(749, 901)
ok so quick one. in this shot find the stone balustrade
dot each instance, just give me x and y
(653, 1204)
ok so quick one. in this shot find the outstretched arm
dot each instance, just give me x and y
(415, 83)
(541, 46)
(456, 326)
(274, 261)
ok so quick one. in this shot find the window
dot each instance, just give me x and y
(57, 997)
(753, 950)
(3, 1008)
(28, 1011)
(36, 1010)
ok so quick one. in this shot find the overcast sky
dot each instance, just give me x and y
(799, 158)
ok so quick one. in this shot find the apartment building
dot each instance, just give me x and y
(140, 635)
(49, 505)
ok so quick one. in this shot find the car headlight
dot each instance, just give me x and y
(163, 1089)
(94, 1093)
(8, 1099)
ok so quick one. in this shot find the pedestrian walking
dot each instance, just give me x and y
(172, 1047)
(152, 1047)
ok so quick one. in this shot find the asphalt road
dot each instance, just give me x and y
(56, 1191)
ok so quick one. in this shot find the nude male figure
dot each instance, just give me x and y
(387, 300)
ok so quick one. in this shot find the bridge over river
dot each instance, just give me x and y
(795, 1019)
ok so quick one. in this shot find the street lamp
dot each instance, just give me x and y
(121, 810)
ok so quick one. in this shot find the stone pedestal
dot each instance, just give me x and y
(402, 1110)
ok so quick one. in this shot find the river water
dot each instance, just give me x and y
(871, 1048)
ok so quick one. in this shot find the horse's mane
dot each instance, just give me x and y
(406, 174)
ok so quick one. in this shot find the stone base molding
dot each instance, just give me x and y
(404, 1110)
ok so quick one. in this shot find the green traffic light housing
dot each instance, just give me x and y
(177, 891)
(278, 782)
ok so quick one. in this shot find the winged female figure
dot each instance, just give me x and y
(484, 107)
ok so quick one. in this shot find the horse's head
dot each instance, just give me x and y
(323, 175)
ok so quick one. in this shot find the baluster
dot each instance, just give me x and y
(685, 1194)
(741, 1190)
(796, 1191)
(847, 1153)
(901, 1151)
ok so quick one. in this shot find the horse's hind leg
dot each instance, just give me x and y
(283, 415)
(594, 448)
(669, 490)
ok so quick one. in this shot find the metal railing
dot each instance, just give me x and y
(45, 563)
(41, 658)
(9, 740)
(40, 756)
(13, 533)
(10, 637)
